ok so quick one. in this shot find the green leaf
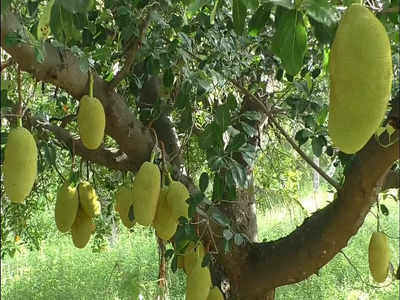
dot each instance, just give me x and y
(238, 239)
(5, 4)
(248, 152)
(77, 6)
(219, 217)
(251, 4)
(237, 173)
(214, 12)
(236, 142)
(168, 78)
(174, 264)
(169, 253)
(239, 12)
(290, 39)
(206, 260)
(283, 3)
(302, 136)
(197, 4)
(12, 39)
(259, 19)
(321, 11)
(324, 34)
(62, 25)
(249, 130)
(252, 115)
(384, 209)
(223, 117)
(183, 96)
(203, 181)
(317, 144)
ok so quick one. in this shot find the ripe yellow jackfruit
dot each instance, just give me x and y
(20, 164)
(91, 122)
(66, 207)
(379, 255)
(176, 199)
(198, 283)
(145, 193)
(88, 199)
(81, 229)
(194, 253)
(360, 69)
(215, 294)
(124, 201)
(164, 223)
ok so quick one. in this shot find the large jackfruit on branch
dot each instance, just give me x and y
(88, 199)
(145, 193)
(66, 207)
(215, 294)
(124, 202)
(20, 164)
(198, 283)
(379, 256)
(82, 228)
(194, 253)
(176, 199)
(164, 223)
(360, 69)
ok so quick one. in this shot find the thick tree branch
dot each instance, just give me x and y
(63, 70)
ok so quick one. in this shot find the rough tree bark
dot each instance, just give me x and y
(254, 269)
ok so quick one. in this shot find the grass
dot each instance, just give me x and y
(60, 271)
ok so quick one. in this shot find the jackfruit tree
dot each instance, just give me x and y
(189, 116)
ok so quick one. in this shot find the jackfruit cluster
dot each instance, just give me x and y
(379, 255)
(91, 122)
(360, 70)
(20, 164)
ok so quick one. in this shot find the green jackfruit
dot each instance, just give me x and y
(20, 164)
(145, 193)
(124, 203)
(194, 253)
(66, 207)
(215, 294)
(198, 283)
(360, 69)
(176, 199)
(379, 255)
(88, 199)
(81, 230)
(91, 122)
(164, 223)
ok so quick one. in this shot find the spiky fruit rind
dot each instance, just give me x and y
(88, 199)
(145, 193)
(91, 122)
(66, 207)
(164, 223)
(194, 253)
(360, 69)
(123, 202)
(20, 164)
(215, 294)
(81, 230)
(198, 283)
(176, 199)
(379, 255)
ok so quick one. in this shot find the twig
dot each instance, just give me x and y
(132, 51)
(8, 63)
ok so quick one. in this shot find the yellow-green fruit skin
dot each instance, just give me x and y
(146, 192)
(215, 294)
(198, 283)
(66, 207)
(91, 122)
(194, 254)
(176, 199)
(360, 69)
(81, 230)
(88, 199)
(20, 164)
(123, 202)
(164, 223)
(379, 255)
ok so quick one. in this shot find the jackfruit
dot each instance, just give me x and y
(176, 199)
(123, 202)
(164, 223)
(180, 262)
(360, 69)
(88, 199)
(66, 207)
(198, 283)
(91, 122)
(194, 253)
(20, 164)
(379, 255)
(81, 229)
(215, 294)
(145, 193)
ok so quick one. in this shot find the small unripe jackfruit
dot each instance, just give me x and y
(176, 199)
(146, 192)
(91, 122)
(66, 207)
(360, 69)
(88, 199)
(198, 283)
(194, 253)
(20, 164)
(379, 256)
(164, 223)
(215, 294)
(124, 202)
(81, 229)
